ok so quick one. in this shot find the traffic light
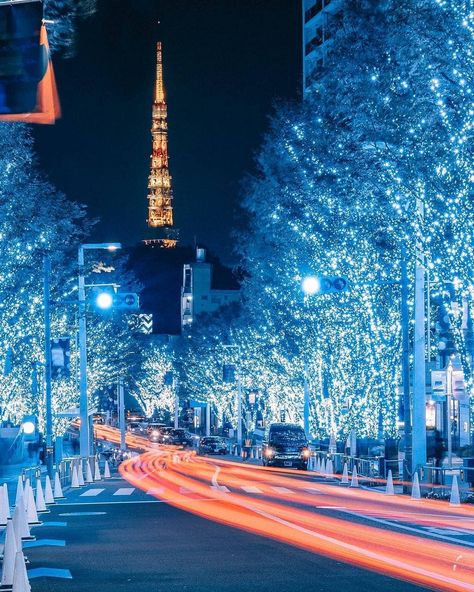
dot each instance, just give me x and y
(29, 428)
(60, 358)
(228, 373)
(312, 285)
(126, 301)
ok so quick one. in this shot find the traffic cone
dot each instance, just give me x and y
(88, 478)
(40, 503)
(20, 577)
(455, 499)
(415, 490)
(7, 499)
(97, 475)
(20, 523)
(355, 479)
(48, 492)
(317, 468)
(329, 469)
(32, 514)
(58, 490)
(26, 494)
(389, 488)
(345, 475)
(74, 479)
(106, 470)
(322, 469)
(80, 474)
(19, 489)
(9, 554)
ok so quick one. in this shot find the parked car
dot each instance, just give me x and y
(213, 445)
(286, 445)
(154, 431)
(165, 435)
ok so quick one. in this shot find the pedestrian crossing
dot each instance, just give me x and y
(157, 491)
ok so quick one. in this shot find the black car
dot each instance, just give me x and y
(286, 446)
(213, 445)
(179, 437)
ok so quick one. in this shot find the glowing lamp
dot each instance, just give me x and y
(28, 428)
(311, 285)
(104, 300)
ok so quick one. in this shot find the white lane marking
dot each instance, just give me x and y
(330, 507)
(222, 488)
(365, 552)
(281, 489)
(125, 491)
(314, 490)
(155, 491)
(92, 492)
(395, 524)
(251, 489)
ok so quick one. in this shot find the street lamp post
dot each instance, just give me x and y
(449, 396)
(84, 435)
(47, 369)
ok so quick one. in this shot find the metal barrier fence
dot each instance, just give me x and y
(67, 465)
(31, 473)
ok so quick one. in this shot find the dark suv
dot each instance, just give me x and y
(286, 445)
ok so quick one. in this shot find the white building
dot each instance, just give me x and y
(320, 18)
(197, 294)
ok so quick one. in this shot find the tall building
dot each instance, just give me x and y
(320, 18)
(160, 191)
(197, 293)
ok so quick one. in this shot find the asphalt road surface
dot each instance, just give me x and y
(120, 539)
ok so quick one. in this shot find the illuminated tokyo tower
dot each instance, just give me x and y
(160, 192)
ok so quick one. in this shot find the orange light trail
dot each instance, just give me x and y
(283, 510)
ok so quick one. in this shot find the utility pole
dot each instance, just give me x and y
(239, 411)
(83, 403)
(405, 364)
(419, 360)
(306, 402)
(121, 412)
(47, 359)
(449, 397)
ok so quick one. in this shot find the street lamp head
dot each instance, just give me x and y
(104, 300)
(310, 285)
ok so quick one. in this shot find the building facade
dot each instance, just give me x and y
(197, 294)
(320, 19)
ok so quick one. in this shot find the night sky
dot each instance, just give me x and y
(226, 62)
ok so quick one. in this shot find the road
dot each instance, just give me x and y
(182, 522)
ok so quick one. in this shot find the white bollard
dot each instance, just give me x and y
(106, 470)
(97, 475)
(88, 478)
(58, 490)
(7, 499)
(19, 489)
(455, 499)
(329, 469)
(389, 488)
(4, 510)
(415, 490)
(9, 554)
(80, 474)
(74, 479)
(31, 513)
(345, 475)
(48, 491)
(20, 577)
(20, 523)
(40, 502)
(355, 479)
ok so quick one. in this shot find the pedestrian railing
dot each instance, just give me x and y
(32, 473)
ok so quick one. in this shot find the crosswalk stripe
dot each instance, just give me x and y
(251, 489)
(155, 491)
(125, 491)
(220, 488)
(314, 490)
(92, 492)
(282, 489)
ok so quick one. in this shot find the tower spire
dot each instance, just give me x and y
(160, 193)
